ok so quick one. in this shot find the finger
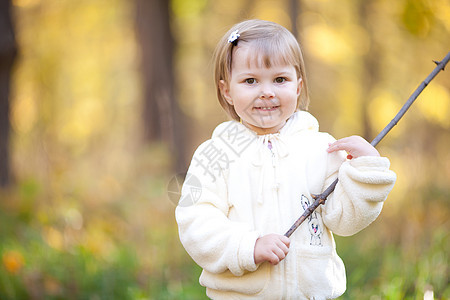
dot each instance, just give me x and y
(273, 259)
(354, 139)
(279, 253)
(349, 144)
(286, 241)
(348, 139)
(283, 247)
(339, 145)
(338, 142)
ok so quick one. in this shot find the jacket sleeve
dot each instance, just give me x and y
(214, 242)
(364, 184)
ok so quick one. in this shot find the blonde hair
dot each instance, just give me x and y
(272, 43)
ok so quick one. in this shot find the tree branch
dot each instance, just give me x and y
(320, 199)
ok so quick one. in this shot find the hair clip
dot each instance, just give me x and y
(233, 38)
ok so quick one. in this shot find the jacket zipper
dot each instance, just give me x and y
(269, 145)
(274, 165)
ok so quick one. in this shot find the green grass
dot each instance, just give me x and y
(43, 257)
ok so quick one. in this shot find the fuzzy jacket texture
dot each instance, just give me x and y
(241, 186)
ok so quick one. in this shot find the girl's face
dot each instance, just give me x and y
(264, 98)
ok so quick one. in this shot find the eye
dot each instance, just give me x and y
(250, 80)
(280, 79)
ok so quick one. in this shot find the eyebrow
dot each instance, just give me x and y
(286, 72)
(247, 74)
(281, 73)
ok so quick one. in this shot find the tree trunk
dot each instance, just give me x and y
(293, 14)
(7, 55)
(371, 72)
(163, 120)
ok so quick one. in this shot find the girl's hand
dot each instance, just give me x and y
(355, 146)
(272, 248)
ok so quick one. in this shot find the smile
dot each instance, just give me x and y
(269, 108)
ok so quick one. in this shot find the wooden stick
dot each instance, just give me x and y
(320, 199)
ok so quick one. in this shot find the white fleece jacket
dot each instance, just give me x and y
(241, 186)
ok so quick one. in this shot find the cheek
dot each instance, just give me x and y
(240, 107)
(291, 107)
(291, 100)
(242, 95)
(290, 95)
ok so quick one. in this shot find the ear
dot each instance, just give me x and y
(225, 91)
(299, 86)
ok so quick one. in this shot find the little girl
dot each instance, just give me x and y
(248, 184)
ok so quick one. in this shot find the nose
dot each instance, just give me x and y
(267, 92)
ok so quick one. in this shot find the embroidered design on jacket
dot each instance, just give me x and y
(314, 224)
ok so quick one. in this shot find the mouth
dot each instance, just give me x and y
(266, 108)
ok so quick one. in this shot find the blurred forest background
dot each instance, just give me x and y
(107, 100)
